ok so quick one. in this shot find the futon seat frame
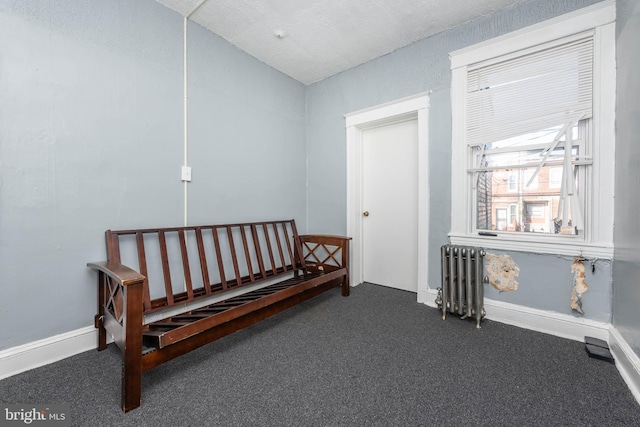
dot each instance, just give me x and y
(247, 272)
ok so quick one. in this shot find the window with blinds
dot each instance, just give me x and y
(515, 96)
(528, 118)
(533, 137)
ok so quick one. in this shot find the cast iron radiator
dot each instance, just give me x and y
(462, 281)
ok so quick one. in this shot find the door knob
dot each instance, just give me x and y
(365, 213)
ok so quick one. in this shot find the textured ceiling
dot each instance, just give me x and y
(325, 37)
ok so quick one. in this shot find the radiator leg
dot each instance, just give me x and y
(479, 291)
(459, 286)
(469, 281)
(453, 252)
(444, 257)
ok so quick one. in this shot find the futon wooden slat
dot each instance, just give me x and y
(280, 250)
(274, 269)
(209, 310)
(142, 263)
(166, 271)
(234, 255)
(113, 246)
(247, 256)
(286, 239)
(170, 325)
(299, 257)
(202, 256)
(216, 241)
(256, 246)
(185, 265)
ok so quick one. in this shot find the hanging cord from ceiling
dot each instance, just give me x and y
(185, 143)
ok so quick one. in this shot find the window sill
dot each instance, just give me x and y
(555, 245)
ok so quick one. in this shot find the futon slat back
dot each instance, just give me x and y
(184, 264)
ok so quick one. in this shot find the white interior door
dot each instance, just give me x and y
(390, 202)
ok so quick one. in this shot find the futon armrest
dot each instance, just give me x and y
(325, 252)
(325, 239)
(122, 274)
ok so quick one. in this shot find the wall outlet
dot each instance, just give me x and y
(186, 173)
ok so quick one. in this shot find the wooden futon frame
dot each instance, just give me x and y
(189, 286)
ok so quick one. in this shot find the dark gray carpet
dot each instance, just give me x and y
(374, 358)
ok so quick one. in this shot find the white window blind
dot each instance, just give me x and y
(530, 92)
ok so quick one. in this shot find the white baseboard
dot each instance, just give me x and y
(423, 296)
(627, 361)
(548, 322)
(42, 352)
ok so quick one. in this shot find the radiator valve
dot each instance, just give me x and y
(439, 299)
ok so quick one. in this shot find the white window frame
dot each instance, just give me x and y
(597, 240)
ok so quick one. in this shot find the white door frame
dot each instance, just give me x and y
(416, 106)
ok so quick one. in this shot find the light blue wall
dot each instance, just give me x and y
(246, 140)
(626, 268)
(420, 67)
(91, 138)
